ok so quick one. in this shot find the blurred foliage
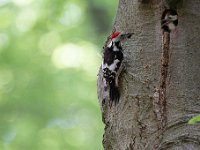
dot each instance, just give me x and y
(194, 120)
(50, 53)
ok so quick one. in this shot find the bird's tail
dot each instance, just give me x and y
(114, 93)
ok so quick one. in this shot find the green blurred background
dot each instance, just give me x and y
(50, 53)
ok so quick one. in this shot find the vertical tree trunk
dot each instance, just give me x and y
(143, 119)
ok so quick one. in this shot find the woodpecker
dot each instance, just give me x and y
(112, 63)
(169, 20)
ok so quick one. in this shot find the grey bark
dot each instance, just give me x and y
(137, 122)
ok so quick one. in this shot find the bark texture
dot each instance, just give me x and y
(160, 89)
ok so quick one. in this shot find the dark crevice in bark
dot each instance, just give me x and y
(160, 101)
(131, 145)
(163, 78)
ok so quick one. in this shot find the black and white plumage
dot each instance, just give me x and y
(169, 20)
(112, 64)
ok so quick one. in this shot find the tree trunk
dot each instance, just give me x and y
(154, 108)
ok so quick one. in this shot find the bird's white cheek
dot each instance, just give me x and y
(110, 44)
(171, 26)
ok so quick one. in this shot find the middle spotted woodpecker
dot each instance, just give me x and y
(112, 64)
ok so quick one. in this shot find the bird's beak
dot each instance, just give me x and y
(164, 19)
(129, 35)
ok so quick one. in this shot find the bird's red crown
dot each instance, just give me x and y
(115, 34)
